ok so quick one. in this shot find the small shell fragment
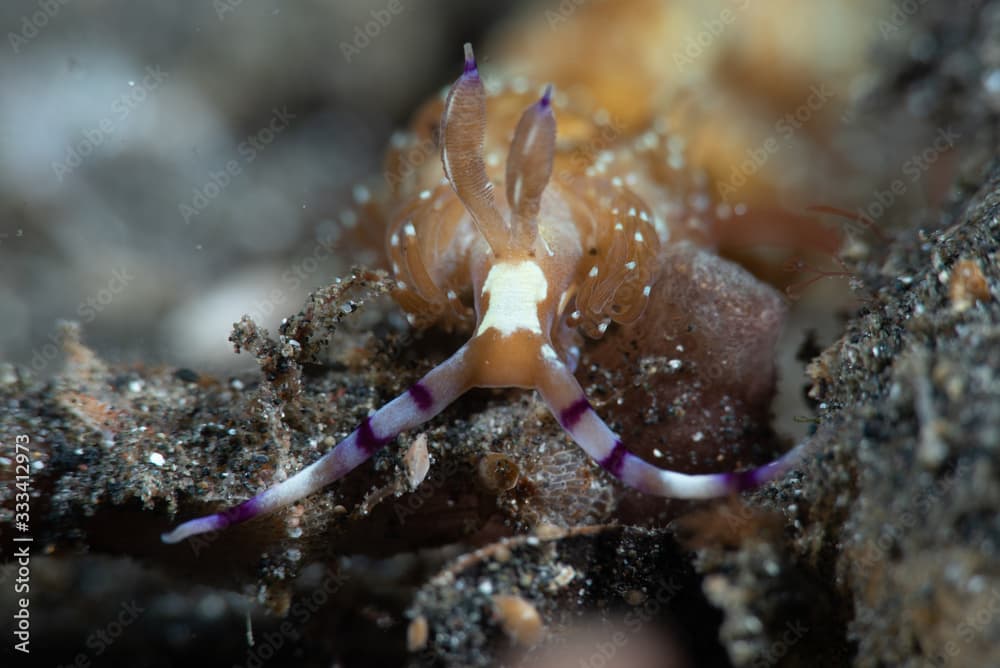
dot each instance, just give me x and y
(498, 472)
(967, 285)
(417, 462)
(416, 634)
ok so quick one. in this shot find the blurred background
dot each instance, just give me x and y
(162, 164)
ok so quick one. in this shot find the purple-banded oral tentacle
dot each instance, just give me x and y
(568, 403)
(425, 399)
(463, 132)
(529, 167)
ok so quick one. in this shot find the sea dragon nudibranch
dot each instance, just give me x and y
(535, 279)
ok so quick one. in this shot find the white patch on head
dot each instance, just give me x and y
(515, 291)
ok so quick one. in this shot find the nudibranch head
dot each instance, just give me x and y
(591, 236)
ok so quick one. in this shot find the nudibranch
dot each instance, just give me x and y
(555, 256)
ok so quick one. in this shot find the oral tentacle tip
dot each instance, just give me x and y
(546, 100)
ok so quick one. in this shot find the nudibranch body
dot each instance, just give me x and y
(559, 253)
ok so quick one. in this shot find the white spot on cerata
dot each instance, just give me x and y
(394, 239)
(493, 160)
(638, 237)
(348, 218)
(410, 230)
(619, 227)
(425, 194)
(515, 291)
(617, 182)
(643, 216)
(545, 243)
(631, 212)
(549, 353)
(593, 271)
(401, 285)
(645, 291)
(630, 265)
(452, 295)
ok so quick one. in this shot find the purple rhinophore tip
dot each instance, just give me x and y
(546, 97)
(470, 60)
